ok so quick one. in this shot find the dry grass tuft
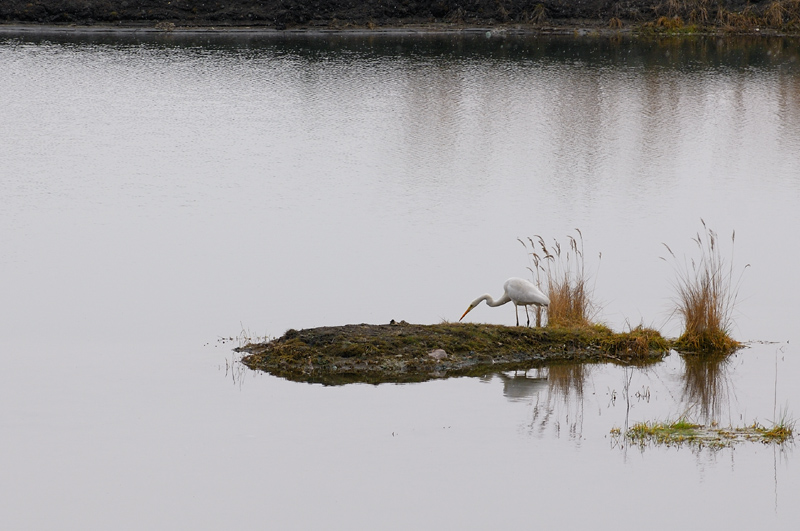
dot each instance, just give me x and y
(637, 343)
(565, 280)
(670, 23)
(775, 13)
(706, 297)
(699, 15)
(778, 433)
(783, 14)
(669, 16)
(538, 15)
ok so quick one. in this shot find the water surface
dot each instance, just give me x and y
(163, 192)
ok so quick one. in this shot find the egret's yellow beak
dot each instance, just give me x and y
(468, 310)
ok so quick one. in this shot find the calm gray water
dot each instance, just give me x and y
(161, 193)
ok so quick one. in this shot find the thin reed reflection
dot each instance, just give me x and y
(707, 387)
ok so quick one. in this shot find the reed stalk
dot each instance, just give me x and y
(561, 272)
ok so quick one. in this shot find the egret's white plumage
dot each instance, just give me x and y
(517, 290)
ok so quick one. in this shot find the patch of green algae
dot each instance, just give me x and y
(400, 352)
(683, 432)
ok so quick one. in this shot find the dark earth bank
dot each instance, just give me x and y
(402, 352)
(671, 15)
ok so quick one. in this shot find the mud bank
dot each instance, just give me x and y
(402, 352)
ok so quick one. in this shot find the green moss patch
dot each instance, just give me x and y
(709, 342)
(402, 352)
(683, 432)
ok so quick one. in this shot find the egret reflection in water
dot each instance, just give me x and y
(521, 385)
(556, 393)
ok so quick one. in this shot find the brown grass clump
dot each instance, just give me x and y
(538, 15)
(699, 15)
(745, 20)
(638, 343)
(565, 280)
(669, 23)
(697, 11)
(782, 14)
(671, 16)
(774, 14)
(779, 433)
(706, 297)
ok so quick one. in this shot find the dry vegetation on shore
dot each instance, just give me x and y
(534, 15)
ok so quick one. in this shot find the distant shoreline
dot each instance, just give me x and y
(399, 31)
(401, 17)
(264, 30)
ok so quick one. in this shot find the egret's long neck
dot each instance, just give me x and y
(490, 301)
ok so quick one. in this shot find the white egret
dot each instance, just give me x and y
(517, 290)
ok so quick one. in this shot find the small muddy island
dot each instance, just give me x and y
(402, 352)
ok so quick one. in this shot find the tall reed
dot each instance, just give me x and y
(706, 296)
(563, 272)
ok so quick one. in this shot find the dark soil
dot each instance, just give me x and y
(284, 14)
(402, 352)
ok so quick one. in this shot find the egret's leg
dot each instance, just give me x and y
(528, 316)
(516, 312)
